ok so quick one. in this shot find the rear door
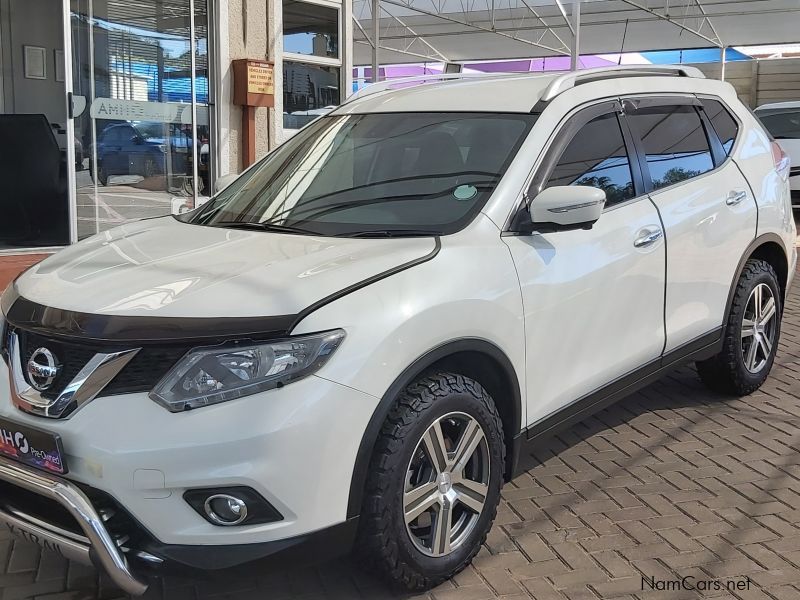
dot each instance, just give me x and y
(706, 205)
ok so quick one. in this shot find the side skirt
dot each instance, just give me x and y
(532, 438)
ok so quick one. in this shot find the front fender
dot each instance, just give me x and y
(465, 299)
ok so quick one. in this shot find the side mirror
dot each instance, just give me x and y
(222, 182)
(564, 207)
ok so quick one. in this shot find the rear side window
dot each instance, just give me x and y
(723, 123)
(675, 143)
(597, 157)
(782, 125)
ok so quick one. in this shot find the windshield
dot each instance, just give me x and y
(379, 174)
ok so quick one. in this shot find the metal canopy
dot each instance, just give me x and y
(464, 30)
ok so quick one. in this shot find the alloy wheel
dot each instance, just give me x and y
(758, 328)
(446, 484)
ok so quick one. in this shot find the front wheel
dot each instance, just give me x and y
(751, 334)
(434, 482)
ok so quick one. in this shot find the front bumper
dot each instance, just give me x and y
(96, 541)
(92, 541)
(295, 446)
(127, 455)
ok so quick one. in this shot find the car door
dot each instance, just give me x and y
(707, 208)
(131, 149)
(110, 153)
(593, 298)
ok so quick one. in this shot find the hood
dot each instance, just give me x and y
(166, 268)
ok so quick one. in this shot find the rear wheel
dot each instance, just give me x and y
(751, 334)
(434, 482)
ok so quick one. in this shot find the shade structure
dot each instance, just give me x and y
(468, 30)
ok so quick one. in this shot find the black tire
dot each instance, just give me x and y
(150, 169)
(727, 372)
(384, 542)
(100, 175)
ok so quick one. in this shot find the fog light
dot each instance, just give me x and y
(224, 509)
(234, 505)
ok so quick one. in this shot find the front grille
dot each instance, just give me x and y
(73, 358)
(149, 365)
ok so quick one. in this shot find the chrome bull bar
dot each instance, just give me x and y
(98, 542)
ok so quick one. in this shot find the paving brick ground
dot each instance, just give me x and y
(674, 481)
(10, 266)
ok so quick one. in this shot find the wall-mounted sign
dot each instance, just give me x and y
(253, 83)
(35, 62)
(260, 78)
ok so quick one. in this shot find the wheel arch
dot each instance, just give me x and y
(771, 248)
(476, 358)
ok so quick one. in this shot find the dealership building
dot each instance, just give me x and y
(101, 100)
(114, 111)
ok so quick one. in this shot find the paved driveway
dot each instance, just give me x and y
(674, 481)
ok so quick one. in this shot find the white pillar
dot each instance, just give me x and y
(376, 17)
(722, 63)
(346, 49)
(576, 38)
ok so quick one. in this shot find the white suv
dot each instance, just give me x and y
(360, 339)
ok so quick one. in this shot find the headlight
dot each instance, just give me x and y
(216, 374)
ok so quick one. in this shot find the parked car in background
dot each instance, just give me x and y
(782, 120)
(360, 339)
(138, 148)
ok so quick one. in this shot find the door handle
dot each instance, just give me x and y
(735, 197)
(648, 237)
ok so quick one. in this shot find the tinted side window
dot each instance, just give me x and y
(674, 141)
(110, 135)
(597, 157)
(783, 125)
(117, 135)
(722, 122)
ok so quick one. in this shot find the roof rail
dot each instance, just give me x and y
(569, 80)
(401, 82)
(559, 84)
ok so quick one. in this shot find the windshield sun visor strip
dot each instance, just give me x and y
(46, 320)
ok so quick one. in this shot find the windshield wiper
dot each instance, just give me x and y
(389, 233)
(264, 227)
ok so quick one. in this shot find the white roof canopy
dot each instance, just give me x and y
(464, 30)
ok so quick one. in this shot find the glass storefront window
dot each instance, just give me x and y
(308, 92)
(133, 78)
(34, 165)
(310, 29)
